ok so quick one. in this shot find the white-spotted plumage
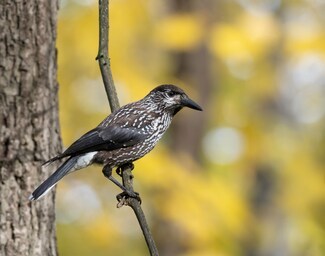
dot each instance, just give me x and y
(124, 136)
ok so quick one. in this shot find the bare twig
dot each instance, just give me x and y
(103, 56)
(136, 207)
(104, 64)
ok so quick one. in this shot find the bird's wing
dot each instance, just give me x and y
(103, 139)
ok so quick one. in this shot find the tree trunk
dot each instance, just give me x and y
(29, 129)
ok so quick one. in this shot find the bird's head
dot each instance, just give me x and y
(172, 98)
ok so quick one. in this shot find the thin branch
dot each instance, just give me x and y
(105, 68)
(103, 56)
(136, 207)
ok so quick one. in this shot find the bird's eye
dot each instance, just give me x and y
(171, 93)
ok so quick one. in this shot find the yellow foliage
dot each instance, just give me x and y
(262, 30)
(315, 43)
(179, 32)
(249, 37)
(196, 202)
(210, 204)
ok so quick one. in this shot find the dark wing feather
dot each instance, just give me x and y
(103, 139)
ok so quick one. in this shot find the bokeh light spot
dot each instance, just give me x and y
(224, 145)
(79, 203)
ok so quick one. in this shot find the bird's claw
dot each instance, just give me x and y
(122, 197)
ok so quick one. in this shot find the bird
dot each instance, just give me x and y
(123, 137)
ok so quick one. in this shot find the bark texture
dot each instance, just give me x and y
(29, 130)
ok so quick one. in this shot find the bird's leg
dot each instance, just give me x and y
(107, 171)
(124, 195)
(108, 175)
(120, 168)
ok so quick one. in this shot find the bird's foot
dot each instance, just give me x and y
(124, 166)
(122, 197)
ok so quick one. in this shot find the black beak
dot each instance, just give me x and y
(187, 102)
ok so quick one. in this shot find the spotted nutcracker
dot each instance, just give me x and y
(123, 137)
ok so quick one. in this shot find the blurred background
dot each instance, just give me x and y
(246, 176)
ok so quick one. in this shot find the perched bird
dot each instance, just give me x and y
(123, 137)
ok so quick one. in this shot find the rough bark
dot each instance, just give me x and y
(29, 130)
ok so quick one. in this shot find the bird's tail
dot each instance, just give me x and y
(46, 186)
